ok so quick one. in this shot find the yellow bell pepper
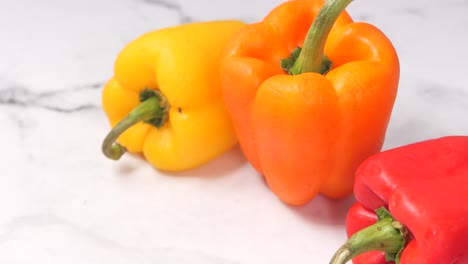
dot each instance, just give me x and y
(165, 100)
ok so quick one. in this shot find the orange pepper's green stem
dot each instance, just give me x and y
(151, 109)
(387, 235)
(311, 57)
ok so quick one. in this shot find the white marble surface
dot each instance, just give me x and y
(61, 201)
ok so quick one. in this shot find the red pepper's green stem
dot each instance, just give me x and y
(155, 107)
(386, 235)
(311, 57)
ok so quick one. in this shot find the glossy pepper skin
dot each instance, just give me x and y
(308, 133)
(182, 63)
(424, 186)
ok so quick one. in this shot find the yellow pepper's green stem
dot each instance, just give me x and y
(152, 108)
(311, 57)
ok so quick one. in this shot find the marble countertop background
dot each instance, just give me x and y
(62, 201)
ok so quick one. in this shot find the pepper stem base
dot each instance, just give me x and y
(386, 235)
(311, 56)
(154, 110)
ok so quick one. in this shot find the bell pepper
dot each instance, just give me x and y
(310, 93)
(164, 100)
(410, 206)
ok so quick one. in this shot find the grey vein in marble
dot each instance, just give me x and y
(78, 98)
(183, 17)
(29, 224)
(438, 93)
(54, 64)
(412, 11)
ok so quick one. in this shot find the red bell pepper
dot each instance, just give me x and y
(411, 206)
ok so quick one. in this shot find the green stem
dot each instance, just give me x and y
(311, 57)
(154, 107)
(387, 235)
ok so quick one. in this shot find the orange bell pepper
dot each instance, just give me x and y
(306, 128)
